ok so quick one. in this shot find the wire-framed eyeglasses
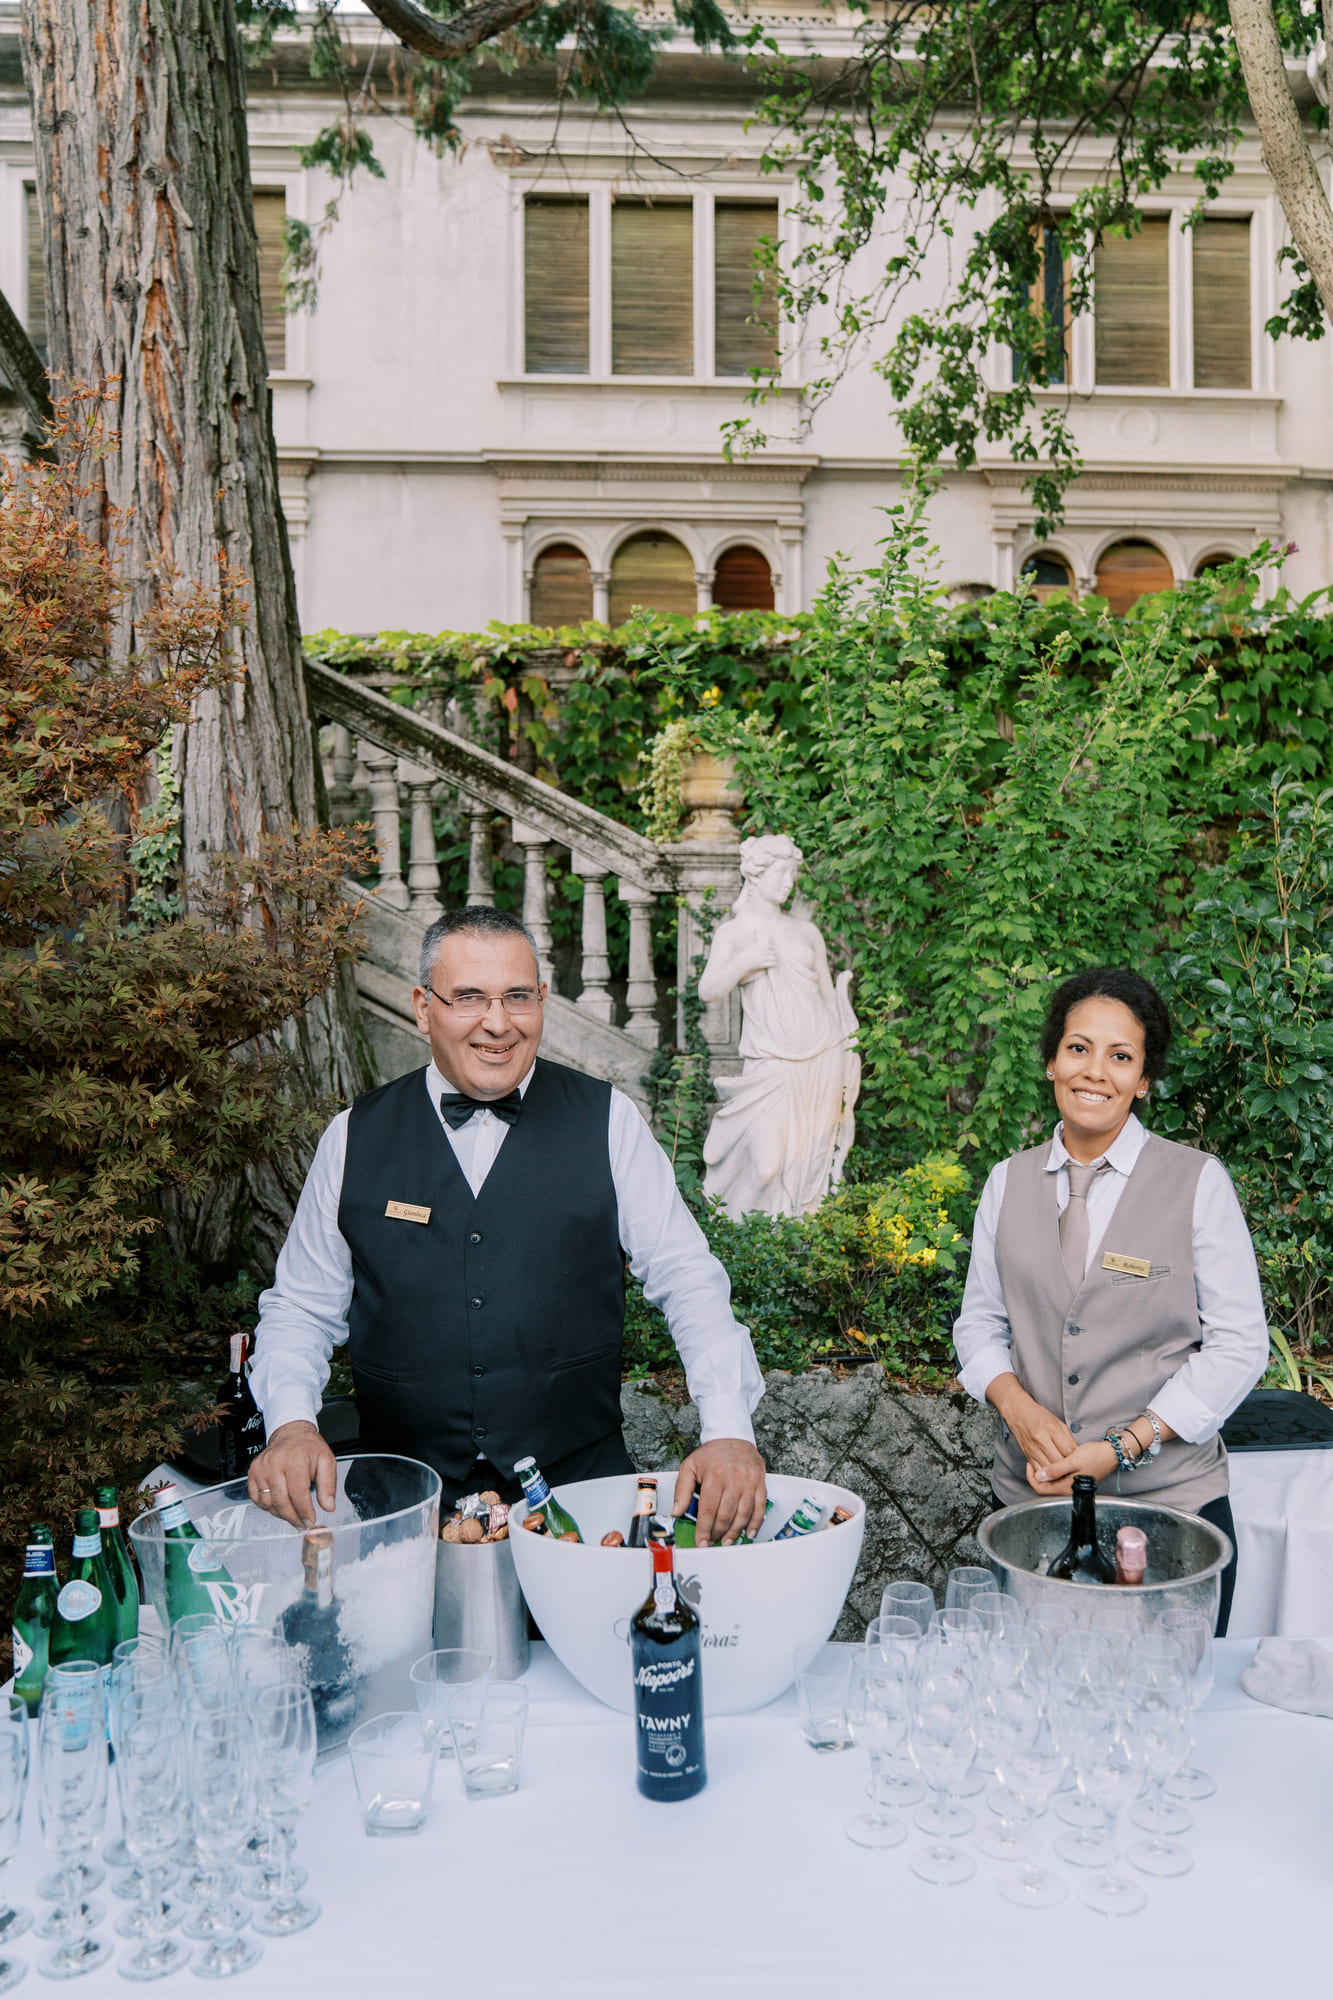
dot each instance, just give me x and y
(519, 1002)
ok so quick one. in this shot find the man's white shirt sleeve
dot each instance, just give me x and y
(304, 1314)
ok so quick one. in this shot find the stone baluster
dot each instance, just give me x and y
(641, 993)
(595, 998)
(535, 912)
(480, 881)
(423, 869)
(382, 770)
(342, 770)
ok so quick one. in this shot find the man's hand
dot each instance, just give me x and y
(729, 1475)
(1044, 1440)
(1056, 1481)
(294, 1459)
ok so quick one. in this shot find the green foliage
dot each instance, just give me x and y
(952, 130)
(680, 1080)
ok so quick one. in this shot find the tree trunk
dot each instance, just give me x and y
(152, 274)
(1286, 149)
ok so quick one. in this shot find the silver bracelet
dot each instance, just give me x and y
(1151, 1450)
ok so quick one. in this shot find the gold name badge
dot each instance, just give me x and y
(408, 1211)
(1137, 1267)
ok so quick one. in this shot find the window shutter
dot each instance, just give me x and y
(1222, 302)
(1054, 298)
(652, 288)
(742, 581)
(654, 572)
(1130, 570)
(36, 315)
(739, 344)
(555, 286)
(271, 229)
(1132, 308)
(561, 586)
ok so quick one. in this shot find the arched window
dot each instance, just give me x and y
(651, 572)
(561, 586)
(1049, 573)
(1212, 562)
(1130, 570)
(742, 581)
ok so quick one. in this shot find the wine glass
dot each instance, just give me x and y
(962, 1585)
(898, 1784)
(71, 1799)
(1162, 1717)
(908, 1600)
(13, 1780)
(1030, 1768)
(1108, 1761)
(286, 1743)
(877, 1717)
(942, 1738)
(78, 1676)
(1194, 1632)
(150, 1776)
(220, 1775)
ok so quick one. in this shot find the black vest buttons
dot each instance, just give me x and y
(479, 1370)
(1072, 1380)
(475, 1237)
(480, 1431)
(475, 1304)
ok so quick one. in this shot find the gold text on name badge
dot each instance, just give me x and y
(1137, 1267)
(409, 1211)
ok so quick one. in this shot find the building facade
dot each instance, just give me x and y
(508, 401)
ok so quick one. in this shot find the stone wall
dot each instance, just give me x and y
(920, 1463)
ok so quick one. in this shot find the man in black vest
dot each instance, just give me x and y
(465, 1229)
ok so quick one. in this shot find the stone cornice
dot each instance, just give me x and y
(641, 466)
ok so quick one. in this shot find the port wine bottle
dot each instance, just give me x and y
(668, 1690)
(241, 1425)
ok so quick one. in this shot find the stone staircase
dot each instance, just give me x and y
(396, 768)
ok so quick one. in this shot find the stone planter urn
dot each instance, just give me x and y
(710, 796)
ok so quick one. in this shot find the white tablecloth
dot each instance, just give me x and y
(1283, 1504)
(574, 1888)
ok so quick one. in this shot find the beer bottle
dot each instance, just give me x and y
(34, 1614)
(542, 1501)
(1082, 1559)
(241, 1425)
(312, 1623)
(668, 1687)
(744, 1541)
(86, 1625)
(803, 1521)
(687, 1525)
(124, 1583)
(195, 1577)
(645, 1506)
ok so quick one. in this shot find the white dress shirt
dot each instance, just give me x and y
(304, 1315)
(1198, 1399)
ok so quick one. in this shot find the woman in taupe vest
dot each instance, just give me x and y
(1112, 1315)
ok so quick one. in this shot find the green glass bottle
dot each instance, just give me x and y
(195, 1578)
(86, 1626)
(124, 1583)
(34, 1614)
(542, 1501)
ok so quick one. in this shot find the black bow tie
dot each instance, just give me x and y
(456, 1110)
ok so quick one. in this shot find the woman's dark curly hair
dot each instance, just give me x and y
(1132, 990)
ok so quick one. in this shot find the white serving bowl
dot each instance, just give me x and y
(757, 1604)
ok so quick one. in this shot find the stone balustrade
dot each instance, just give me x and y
(401, 770)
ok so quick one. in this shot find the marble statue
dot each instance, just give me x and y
(781, 1134)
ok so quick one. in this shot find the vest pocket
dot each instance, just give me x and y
(602, 1354)
(1132, 1277)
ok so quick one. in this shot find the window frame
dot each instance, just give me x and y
(1180, 283)
(598, 194)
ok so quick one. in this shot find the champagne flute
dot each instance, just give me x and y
(1109, 1761)
(1162, 1717)
(898, 1784)
(286, 1744)
(142, 1658)
(1030, 1768)
(219, 1767)
(1071, 1713)
(78, 1676)
(262, 1661)
(1008, 1716)
(150, 1776)
(877, 1716)
(14, 1753)
(71, 1799)
(1194, 1632)
(943, 1740)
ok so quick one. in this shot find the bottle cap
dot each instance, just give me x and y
(522, 1465)
(1131, 1543)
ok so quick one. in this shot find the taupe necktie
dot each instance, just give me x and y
(1074, 1221)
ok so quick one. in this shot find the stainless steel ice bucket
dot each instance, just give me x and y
(1186, 1557)
(478, 1604)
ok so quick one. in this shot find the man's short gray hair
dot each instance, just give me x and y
(479, 921)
